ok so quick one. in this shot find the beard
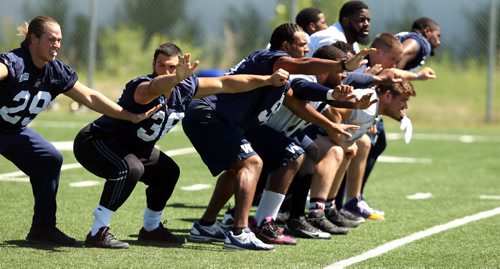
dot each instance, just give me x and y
(359, 36)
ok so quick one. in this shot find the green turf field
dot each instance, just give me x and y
(455, 169)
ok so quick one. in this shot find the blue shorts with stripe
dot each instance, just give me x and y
(274, 147)
(219, 143)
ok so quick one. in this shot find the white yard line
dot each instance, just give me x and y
(446, 137)
(19, 176)
(413, 237)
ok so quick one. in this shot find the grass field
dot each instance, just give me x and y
(457, 170)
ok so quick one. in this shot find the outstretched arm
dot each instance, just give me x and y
(423, 74)
(315, 66)
(239, 83)
(305, 111)
(163, 84)
(100, 103)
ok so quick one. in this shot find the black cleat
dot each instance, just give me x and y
(301, 228)
(318, 220)
(334, 216)
(161, 235)
(49, 236)
(104, 239)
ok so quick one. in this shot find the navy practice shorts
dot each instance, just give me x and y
(274, 147)
(219, 143)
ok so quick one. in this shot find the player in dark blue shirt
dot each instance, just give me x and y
(224, 119)
(30, 78)
(419, 43)
(123, 153)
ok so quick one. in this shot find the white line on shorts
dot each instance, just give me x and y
(413, 237)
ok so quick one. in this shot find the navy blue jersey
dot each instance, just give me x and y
(141, 137)
(424, 51)
(253, 108)
(358, 80)
(27, 90)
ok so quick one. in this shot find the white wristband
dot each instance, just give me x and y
(329, 95)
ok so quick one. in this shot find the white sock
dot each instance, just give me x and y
(152, 219)
(269, 205)
(102, 218)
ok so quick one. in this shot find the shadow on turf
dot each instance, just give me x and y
(181, 205)
(26, 244)
(187, 245)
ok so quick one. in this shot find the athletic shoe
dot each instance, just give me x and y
(364, 204)
(50, 235)
(282, 217)
(348, 215)
(301, 228)
(353, 207)
(270, 233)
(104, 239)
(245, 241)
(318, 220)
(160, 234)
(334, 216)
(228, 219)
(200, 233)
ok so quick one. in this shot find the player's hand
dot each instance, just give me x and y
(405, 125)
(337, 131)
(359, 59)
(343, 93)
(185, 68)
(374, 70)
(388, 77)
(280, 77)
(426, 73)
(140, 117)
(364, 102)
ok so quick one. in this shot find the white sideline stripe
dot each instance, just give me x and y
(196, 187)
(57, 124)
(394, 159)
(16, 176)
(413, 237)
(87, 183)
(446, 137)
(419, 196)
(68, 145)
(72, 124)
(489, 197)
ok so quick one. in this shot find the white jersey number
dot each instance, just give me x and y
(154, 131)
(36, 103)
(266, 114)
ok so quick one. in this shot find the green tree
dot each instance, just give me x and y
(8, 37)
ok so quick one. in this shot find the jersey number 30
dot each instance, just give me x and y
(155, 131)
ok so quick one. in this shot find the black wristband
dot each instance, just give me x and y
(344, 68)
